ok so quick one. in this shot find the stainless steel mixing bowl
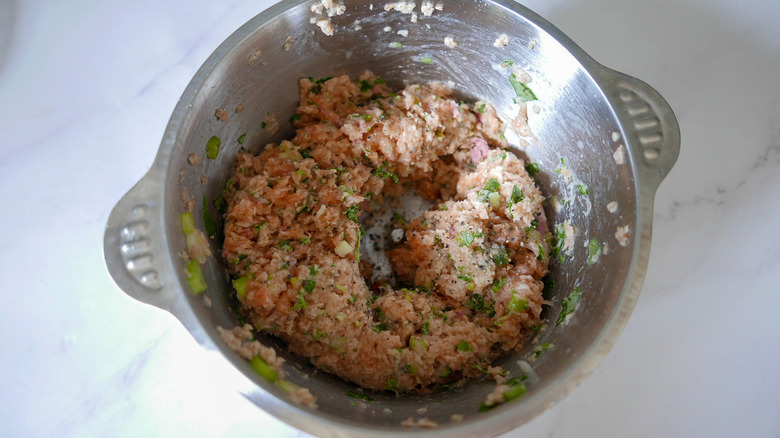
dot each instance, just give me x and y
(584, 113)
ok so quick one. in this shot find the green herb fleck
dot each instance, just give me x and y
(532, 168)
(481, 108)
(541, 348)
(426, 60)
(465, 238)
(359, 396)
(308, 285)
(352, 213)
(301, 304)
(241, 139)
(383, 173)
(395, 45)
(463, 346)
(497, 284)
(559, 237)
(594, 251)
(507, 63)
(212, 147)
(517, 195)
(500, 255)
(313, 270)
(491, 186)
(392, 384)
(569, 304)
(263, 124)
(523, 92)
(426, 328)
(285, 245)
(294, 118)
(583, 189)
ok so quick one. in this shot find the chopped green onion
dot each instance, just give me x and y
(507, 63)
(494, 199)
(195, 279)
(286, 386)
(426, 60)
(583, 189)
(262, 368)
(515, 391)
(417, 343)
(285, 245)
(239, 284)
(517, 304)
(187, 223)
(241, 139)
(343, 248)
(426, 328)
(532, 168)
(212, 147)
(395, 45)
(481, 108)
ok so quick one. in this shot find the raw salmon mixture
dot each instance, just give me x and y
(467, 274)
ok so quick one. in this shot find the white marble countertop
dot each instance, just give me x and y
(86, 89)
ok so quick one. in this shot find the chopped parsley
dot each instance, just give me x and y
(285, 245)
(301, 304)
(359, 396)
(524, 93)
(500, 255)
(532, 168)
(352, 213)
(294, 118)
(559, 237)
(365, 86)
(569, 304)
(594, 251)
(308, 286)
(383, 173)
(517, 195)
(464, 346)
(426, 328)
(313, 270)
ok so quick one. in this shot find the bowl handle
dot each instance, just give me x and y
(133, 244)
(650, 127)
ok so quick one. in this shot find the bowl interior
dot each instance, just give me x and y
(572, 121)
